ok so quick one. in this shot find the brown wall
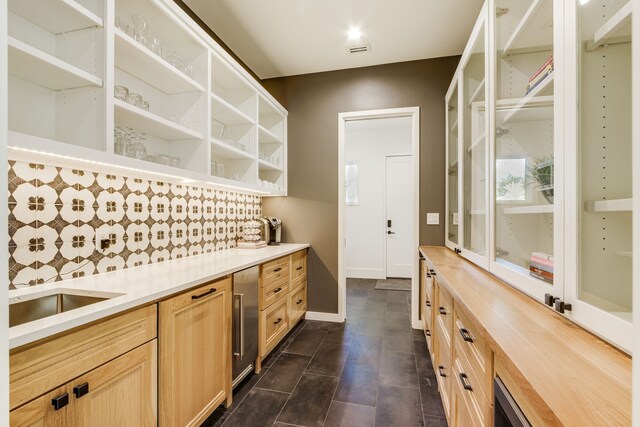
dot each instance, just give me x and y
(310, 212)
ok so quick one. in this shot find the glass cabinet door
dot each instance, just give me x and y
(452, 221)
(474, 152)
(601, 264)
(523, 163)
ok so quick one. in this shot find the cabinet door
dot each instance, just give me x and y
(475, 218)
(452, 180)
(121, 392)
(526, 220)
(40, 412)
(195, 353)
(599, 210)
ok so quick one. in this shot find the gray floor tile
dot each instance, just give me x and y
(306, 342)
(349, 415)
(316, 325)
(329, 359)
(260, 408)
(309, 403)
(397, 341)
(398, 407)
(284, 374)
(398, 369)
(397, 306)
(435, 421)
(358, 384)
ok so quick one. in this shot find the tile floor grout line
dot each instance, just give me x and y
(303, 371)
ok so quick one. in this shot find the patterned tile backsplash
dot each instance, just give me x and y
(55, 212)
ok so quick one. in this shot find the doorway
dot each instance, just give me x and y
(378, 201)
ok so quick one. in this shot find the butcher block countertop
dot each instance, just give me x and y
(571, 377)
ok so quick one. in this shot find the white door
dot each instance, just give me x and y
(398, 200)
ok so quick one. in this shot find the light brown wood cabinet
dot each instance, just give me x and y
(283, 299)
(195, 353)
(120, 392)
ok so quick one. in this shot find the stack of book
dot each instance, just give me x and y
(541, 266)
(543, 72)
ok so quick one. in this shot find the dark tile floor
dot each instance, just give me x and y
(373, 370)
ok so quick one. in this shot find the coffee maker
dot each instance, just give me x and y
(271, 229)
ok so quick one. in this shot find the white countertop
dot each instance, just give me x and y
(138, 286)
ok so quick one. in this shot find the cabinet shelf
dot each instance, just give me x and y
(616, 205)
(528, 34)
(616, 29)
(29, 63)
(536, 105)
(267, 137)
(535, 209)
(152, 124)
(145, 65)
(478, 94)
(266, 166)
(625, 254)
(223, 150)
(454, 126)
(56, 16)
(226, 113)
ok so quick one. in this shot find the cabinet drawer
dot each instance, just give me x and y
(37, 368)
(273, 292)
(472, 396)
(298, 268)
(444, 310)
(274, 326)
(297, 303)
(274, 271)
(475, 349)
(443, 367)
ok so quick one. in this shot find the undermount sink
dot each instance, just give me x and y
(38, 308)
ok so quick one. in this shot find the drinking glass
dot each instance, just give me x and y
(141, 30)
(119, 141)
(134, 99)
(121, 92)
(156, 46)
(174, 161)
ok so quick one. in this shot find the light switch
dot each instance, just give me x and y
(433, 218)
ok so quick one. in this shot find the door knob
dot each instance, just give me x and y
(390, 232)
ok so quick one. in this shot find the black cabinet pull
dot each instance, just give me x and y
(299, 268)
(60, 401)
(209, 292)
(433, 272)
(81, 390)
(466, 335)
(428, 303)
(277, 269)
(427, 333)
(441, 371)
(442, 311)
(277, 290)
(465, 382)
(278, 321)
(299, 301)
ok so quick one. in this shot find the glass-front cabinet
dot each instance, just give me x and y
(524, 145)
(539, 156)
(599, 239)
(474, 148)
(452, 223)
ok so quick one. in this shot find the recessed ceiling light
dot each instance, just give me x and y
(354, 33)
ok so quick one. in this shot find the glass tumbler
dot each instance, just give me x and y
(121, 92)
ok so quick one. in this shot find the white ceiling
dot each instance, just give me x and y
(289, 37)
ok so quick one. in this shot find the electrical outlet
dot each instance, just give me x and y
(433, 218)
(103, 238)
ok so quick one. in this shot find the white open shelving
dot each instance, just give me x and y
(616, 205)
(223, 150)
(142, 63)
(536, 105)
(56, 16)
(29, 63)
(527, 210)
(529, 34)
(152, 124)
(478, 94)
(65, 57)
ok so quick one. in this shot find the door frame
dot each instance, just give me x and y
(343, 118)
(384, 202)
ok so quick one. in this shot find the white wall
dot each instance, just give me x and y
(367, 142)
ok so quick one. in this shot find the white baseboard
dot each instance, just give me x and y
(366, 273)
(325, 317)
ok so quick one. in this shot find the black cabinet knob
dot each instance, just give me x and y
(560, 306)
(81, 390)
(549, 299)
(60, 401)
